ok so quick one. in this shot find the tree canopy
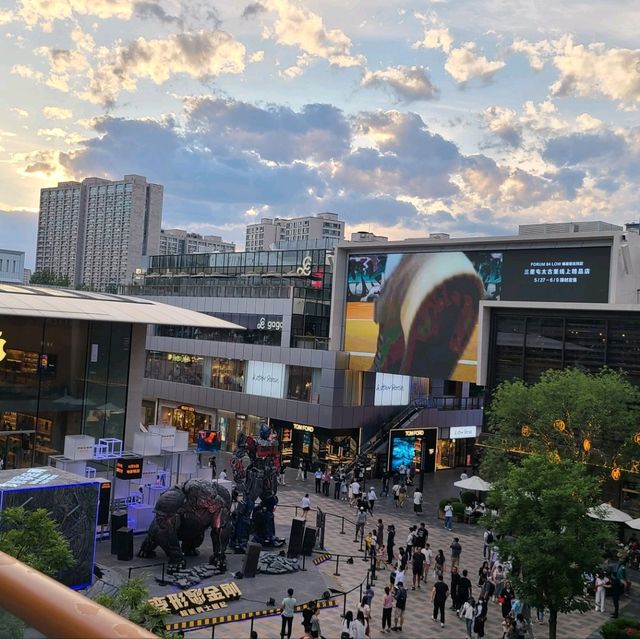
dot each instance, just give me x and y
(542, 526)
(587, 417)
(49, 278)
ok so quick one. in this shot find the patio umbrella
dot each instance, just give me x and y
(633, 523)
(606, 512)
(473, 483)
(109, 407)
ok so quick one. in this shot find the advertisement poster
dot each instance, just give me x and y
(407, 447)
(417, 313)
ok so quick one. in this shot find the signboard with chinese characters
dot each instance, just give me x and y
(129, 468)
(197, 600)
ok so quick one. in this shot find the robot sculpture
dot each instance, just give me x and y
(258, 481)
(182, 516)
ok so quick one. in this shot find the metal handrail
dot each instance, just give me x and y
(57, 611)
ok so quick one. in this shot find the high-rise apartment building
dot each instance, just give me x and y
(95, 232)
(323, 226)
(178, 242)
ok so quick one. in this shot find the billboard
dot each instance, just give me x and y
(416, 314)
(265, 378)
(407, 447)
(391, 390)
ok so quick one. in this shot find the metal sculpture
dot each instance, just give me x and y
(258, 481)
(182, 516)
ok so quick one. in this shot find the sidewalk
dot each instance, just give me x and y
(418, 622)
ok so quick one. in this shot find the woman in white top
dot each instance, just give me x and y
(467, 612)
(358, 628)
(400, 578)
(365, 609)
(602, 584)
(417, 502)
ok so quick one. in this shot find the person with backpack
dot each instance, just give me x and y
(401, 604)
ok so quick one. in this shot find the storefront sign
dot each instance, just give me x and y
(2, 344)
(129, 468)
(241, 416)
(304, 427)
(462, 432)
(391, 390)
(197, 600)
(305, 269)
(414, 433)
(265, 324)
(182, 359)
(188, 409)
(265, 379)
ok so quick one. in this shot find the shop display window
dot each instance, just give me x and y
(227, 374)
(303, 383)
(174, 367)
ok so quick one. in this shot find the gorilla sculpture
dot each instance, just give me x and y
(183, 515)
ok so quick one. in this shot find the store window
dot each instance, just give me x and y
(227, 374)
(353, 388)
(303, 383)
(174, 367)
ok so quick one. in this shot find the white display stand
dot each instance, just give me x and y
(79, 447)
(140, 516)
(147, 444)
(68, 465)
(180, 442)
(205, 472)
(168, 434)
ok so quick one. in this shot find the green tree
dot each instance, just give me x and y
(33, 538)
(131, 602)
(542, 526)
(49, 278)
(586, 417)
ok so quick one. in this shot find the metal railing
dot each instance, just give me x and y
(57, 611)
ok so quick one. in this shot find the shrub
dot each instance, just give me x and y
(449, 500)
(467, 498)
(458, 509)
(623, 628)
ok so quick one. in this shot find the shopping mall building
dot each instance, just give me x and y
(72, 363)
(338, 342)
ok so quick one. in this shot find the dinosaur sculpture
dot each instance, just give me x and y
(183, 515)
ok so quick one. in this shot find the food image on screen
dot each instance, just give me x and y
(416, 314)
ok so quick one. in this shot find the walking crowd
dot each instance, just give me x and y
(469, 595)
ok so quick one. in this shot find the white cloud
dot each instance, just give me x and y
(298, 27)
(503, 123)
(25, 71)
(45, 12)
(464, 64)
(439, 38)
(258, 56)
(200, 55)
(595, 70)
(537, 52)
(56, 113)
(21, 113)
(407, 83)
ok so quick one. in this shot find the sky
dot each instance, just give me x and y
(405, 118)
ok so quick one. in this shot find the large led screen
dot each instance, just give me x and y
(557, 275)
(417, 314)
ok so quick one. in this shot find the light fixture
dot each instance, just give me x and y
(586, 445)
(559, 425)
(636, 438)
(525, 430)
(616, 473)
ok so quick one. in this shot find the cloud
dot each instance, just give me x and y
(200, 55)
(57, 113)
(409, 84)
(27, 72)
(580, 148)
(152, 10)
(435, 39)
(504, 124)
(253, 9)
(464, 64)
(536, 52)
(21, 113)
(298, 27)
(595, 70)
(45, 12)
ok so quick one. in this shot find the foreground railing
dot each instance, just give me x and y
(57, 611)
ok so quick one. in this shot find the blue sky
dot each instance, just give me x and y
(463, 116)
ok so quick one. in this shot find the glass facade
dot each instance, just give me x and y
(60, 377)
(303, 383)
(525, 343)
(175, 367)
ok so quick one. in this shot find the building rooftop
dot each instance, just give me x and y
(34, 301)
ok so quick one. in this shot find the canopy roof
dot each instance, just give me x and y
(43, 302)
(473, 483)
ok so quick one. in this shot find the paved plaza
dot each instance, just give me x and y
(418, 622)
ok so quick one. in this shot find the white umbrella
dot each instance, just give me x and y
(633, 523)
(606, 512)
(473, 483)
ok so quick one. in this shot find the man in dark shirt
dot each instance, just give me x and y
(616, 589)
(421, 536)
(464, 590)
(455, 580)
(417, 567)
(456, 550)
(439, 597)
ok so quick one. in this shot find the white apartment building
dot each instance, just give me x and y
(11, 266)
(95, 232)
(323, 226)
(179, 242)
